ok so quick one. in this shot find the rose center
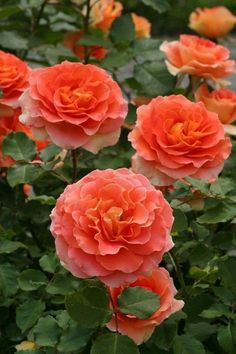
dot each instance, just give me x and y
(77, 96)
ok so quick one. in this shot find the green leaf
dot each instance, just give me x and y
(49, 262)
(46, 332)
(22, 173)
(165, 334)
(12, 40)
(122, 29)
(7, 11)
(61, 285)
(227, 338)
(19, 146)
(227, 274)
(96, 38)
(7, 246)
(49, 152)
(43, 199)
(31, 279)
(8, 276)
(220, 213)
(216, 310)
(114, 344)
(147, 49)
(180, 221)
(158, 5)
(138, 301)
(28, 313)
(154, 78)
(186, 344)
(200, 330)
(89, 306)
(73, 339)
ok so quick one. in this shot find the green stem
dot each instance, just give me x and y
(175, 262)
(74, 165)
(86, 27)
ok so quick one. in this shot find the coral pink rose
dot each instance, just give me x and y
(14, 74)
(222, 102)
(9, 122)
(175, 138)
(75, 104)
(71, 41)
(197, 56)
(113, 225)
(103, 13)
(212, 22)
(142, 26)
(139, 330)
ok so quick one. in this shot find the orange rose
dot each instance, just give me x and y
(103, 13)
(70, 41)
(75, 105)
(197, 56)
(160, 283)
(112, 224)
(14, 74)
(222, 102)
(142, 26)
(212, 22)
(175, 138)
(9, 122)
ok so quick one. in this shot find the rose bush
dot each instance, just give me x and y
(75, 105)
(175, 138)
(113, 225)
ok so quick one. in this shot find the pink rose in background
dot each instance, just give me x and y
(75, 105)
(14, 75)
(112, 224)
(140, 330)
(175, 138)
(222, 102)
(199, 57)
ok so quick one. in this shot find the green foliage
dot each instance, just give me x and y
(138, 301)
(114, 344)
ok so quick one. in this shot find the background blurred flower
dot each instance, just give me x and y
(222, 102)
(142, 26)
(198, 56)
(212, 22)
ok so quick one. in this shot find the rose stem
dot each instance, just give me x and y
(86, 27)
(114, 311)
(179, 274)
(74, 164)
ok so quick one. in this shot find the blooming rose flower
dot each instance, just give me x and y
(197, 56)
(160, 283)
(212, 22)
(142, 26)
(111, 224)
(103, 13)
(222, 102)
(70, 41)
(9, 122)
(14, 74)
(175, 138)
(75, 104)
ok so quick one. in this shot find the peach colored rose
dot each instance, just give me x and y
(212, 22)
(175, 138)
(139, 330)
(112, 224)
(14, 74)
(103, 13)
(71, 41)
(142, 26)
(75, 105)
(222, 102)
(9, 122)
(197, 56)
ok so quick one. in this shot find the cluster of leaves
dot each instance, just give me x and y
(33, 285)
